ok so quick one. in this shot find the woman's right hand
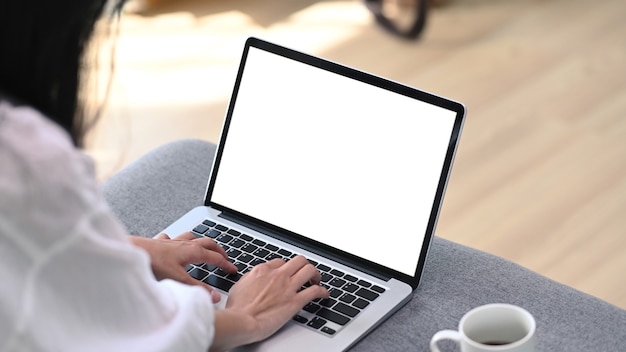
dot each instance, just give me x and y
(264, 300)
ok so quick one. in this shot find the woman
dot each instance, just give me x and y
(72, 278)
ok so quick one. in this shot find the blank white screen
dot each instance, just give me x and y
(333, 159)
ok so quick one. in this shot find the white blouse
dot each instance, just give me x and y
(70, 278)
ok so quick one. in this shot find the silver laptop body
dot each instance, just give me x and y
(341, 166)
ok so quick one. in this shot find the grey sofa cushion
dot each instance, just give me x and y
(154, 191)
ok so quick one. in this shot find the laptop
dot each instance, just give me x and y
(341, 166)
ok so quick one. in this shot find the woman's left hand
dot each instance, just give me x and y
(169, 257)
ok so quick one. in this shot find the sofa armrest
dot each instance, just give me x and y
(155, 190)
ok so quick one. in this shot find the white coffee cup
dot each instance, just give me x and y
(492, 327)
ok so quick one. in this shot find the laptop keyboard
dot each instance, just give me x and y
(349, 294)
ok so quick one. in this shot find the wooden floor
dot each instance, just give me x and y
(540, 174)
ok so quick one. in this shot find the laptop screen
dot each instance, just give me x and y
(333, 159)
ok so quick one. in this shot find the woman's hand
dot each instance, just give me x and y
(264, 300)
(169, 257)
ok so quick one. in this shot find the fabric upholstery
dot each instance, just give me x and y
(167, 182)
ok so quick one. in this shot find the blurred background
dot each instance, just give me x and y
(540, 173)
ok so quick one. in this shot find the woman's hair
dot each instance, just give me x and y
(42, 47)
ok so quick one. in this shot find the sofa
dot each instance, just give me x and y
(153, 191)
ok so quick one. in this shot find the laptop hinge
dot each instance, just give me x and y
(311, 247)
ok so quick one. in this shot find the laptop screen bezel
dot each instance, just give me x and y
(320, 248)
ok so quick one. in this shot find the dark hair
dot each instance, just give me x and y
(42, 43)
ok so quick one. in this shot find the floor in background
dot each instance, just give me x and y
(540, 174)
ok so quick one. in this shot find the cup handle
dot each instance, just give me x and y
(444, 335)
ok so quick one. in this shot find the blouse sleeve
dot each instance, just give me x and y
(72, 279)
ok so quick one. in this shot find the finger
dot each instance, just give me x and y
(209, 244)
(211, 257)
(295, 264)
(310, 293)
(268, 266)
(215, 296)
(162, 236)
(205, 242)
(307, 273)
(185, 236)
(191, 252)
(275, 263)
(184, 277)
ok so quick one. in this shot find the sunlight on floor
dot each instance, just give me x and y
(180, 64)
(180, 59)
